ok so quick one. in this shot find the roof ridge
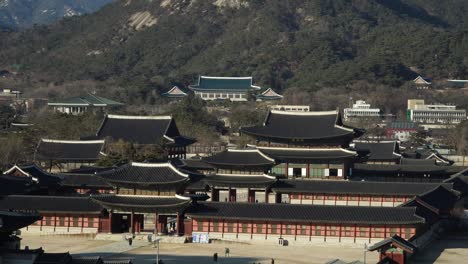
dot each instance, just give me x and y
(161, 117)
(226, 78)
(310, 113)
(72, 141)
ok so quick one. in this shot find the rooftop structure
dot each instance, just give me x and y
(59, 155)
(174, 92)
(269, 95)
(458, 83)
(419, 112)
(422, 83)
(145, 130)
(224, 88)
(387, 152)
(146, 176)
(303, 128)
(81, 104)
(361, 110)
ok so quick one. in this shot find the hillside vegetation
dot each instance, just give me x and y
(20, 14)
(145, 45)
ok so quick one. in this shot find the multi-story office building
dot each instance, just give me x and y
(420, 112)
(361, 110)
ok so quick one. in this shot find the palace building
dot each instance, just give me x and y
(148, 196)
(224, 88)
(309, 145)
(145, 130)
(65, 155)
(387, 152)
(269, 95)
(82, 104)
(174, 92)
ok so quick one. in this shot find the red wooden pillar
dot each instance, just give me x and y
(222, 232)
(178, 223)
(237, 229)
(156, 223)
(286, 170)
(266, 230)
(325, 237)
(308, 170)
(82, 223)
(300, 198)
(266, 196)
(295, 231)
(55, 221)
(251, 229)
(132, 222)
(110, 221)
(69, 220)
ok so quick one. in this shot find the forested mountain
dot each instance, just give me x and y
(143, 44)
(18, 14)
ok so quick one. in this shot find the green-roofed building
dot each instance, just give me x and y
(223, 88)
(81, 104)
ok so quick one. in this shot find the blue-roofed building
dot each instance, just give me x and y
(224, 88)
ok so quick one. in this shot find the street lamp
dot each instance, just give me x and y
(365, 252)
(156, 241)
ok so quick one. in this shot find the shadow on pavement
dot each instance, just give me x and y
(177, 259)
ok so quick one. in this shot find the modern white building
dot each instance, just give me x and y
(361, 110)
(422, 113)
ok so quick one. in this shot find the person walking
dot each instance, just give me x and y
(272, 261)
(130, 241)
(215, 257)
(226, 252)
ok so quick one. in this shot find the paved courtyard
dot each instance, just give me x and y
(450, 250)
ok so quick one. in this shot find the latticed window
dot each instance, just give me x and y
(245, 228)
(76, 221)
(90, 222)
(259, 228)
(274, 229)
(215, 226)
(199, 225)
(303, 229)
(230, 227)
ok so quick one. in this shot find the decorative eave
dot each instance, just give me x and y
(197, 88)
(15, 167)
(174, 92)
(229, 160)
(160, 165)
(143, 203)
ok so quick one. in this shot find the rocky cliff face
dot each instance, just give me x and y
(20, 14)
(281, 43)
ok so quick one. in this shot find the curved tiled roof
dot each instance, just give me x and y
(306, 213)
(76, 180)
(89, 150)
(247, 157)
(47, 204)
(379, 150)
(12, 221)
(240, 181)
(145, 174)
(301, 125)
(142, 130)
(287, 154)
(354, 187)
(224, 83)
(43, 178)
(142, 203)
